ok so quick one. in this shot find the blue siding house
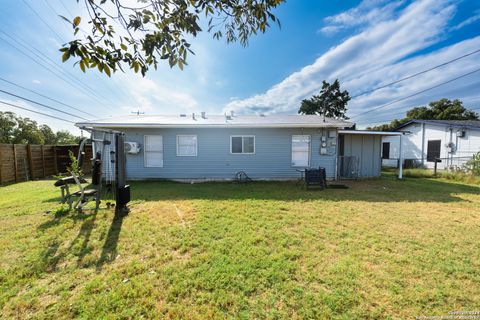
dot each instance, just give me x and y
(211, 147)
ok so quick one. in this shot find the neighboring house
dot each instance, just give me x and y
(217, 147)
(453, 141)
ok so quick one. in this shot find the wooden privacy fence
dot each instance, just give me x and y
(22, 162)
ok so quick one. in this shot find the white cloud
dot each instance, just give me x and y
(379, 54)
(368, 12)
(152, 96)
(470, 20)
(36, 81)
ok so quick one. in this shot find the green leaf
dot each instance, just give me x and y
(124, 47)
(82, 66)
(107, 70)
(76, 21)
(65, 56)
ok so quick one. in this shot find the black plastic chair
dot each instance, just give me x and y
(316, 177)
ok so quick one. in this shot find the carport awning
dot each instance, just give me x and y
(369, 132)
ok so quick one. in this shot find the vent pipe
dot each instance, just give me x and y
(203, 115)
(193, 116)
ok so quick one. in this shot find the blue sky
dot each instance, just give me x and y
(363, 43)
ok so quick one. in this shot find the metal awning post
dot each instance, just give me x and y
(400, 165)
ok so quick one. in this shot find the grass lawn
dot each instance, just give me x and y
(382, 249)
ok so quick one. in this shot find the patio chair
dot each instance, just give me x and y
(315, 177)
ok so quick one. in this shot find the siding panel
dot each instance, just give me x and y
(272, 158)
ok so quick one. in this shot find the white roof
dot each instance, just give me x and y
(216, 121)
(371, 132)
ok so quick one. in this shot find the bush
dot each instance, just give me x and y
(473, 166)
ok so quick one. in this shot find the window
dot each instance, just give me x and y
(386, 150)
(300, 151)
(242, 144)
(153, 151)
(433, 150)
(187, 146)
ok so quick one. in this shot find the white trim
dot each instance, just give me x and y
(242, 136)
(196, 145)
(309, 150)
(367, 132)
(227, 125)
(145, 150)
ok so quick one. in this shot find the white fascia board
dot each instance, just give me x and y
(378, 133)
(146, 126)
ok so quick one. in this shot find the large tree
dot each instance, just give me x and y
(121, 32)
(65, 137)
(331, 102)
(443, 109)
(16, 129)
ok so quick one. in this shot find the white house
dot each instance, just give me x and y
(453, 141)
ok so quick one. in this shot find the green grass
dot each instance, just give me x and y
(382, 249)
(428, 173)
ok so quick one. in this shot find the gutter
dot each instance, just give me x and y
(155, 126)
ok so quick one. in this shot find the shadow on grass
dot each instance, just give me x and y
(52, 257)
(384, 189)
(109, 250)
(80, 245)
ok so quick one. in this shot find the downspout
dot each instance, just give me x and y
(400, 165)
(450, 155)
(336, 156)
(423, 144)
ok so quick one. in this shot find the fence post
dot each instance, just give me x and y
(55, 159)
(30, 161)
(1, 165)
(43, 160)
(15, 162)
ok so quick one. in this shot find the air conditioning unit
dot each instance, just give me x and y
(451, 148)
(132, 147)
(461, 133)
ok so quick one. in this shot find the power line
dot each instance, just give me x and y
(41, 19)
(124, 92)
(34, 111)
(65, 7)
(76, 79)
(415, 74)
(50, 62)
(46, 97)
(417, 93)
(55, 72)
(41, 104)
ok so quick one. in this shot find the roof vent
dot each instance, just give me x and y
(193, 116)
(232, 113)
(183, 115)
(204, 115)
(227, 117)
(262, 115)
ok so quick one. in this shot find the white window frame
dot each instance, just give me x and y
(196, 145)
(145, 151)
(309, 150)
(243, 136)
